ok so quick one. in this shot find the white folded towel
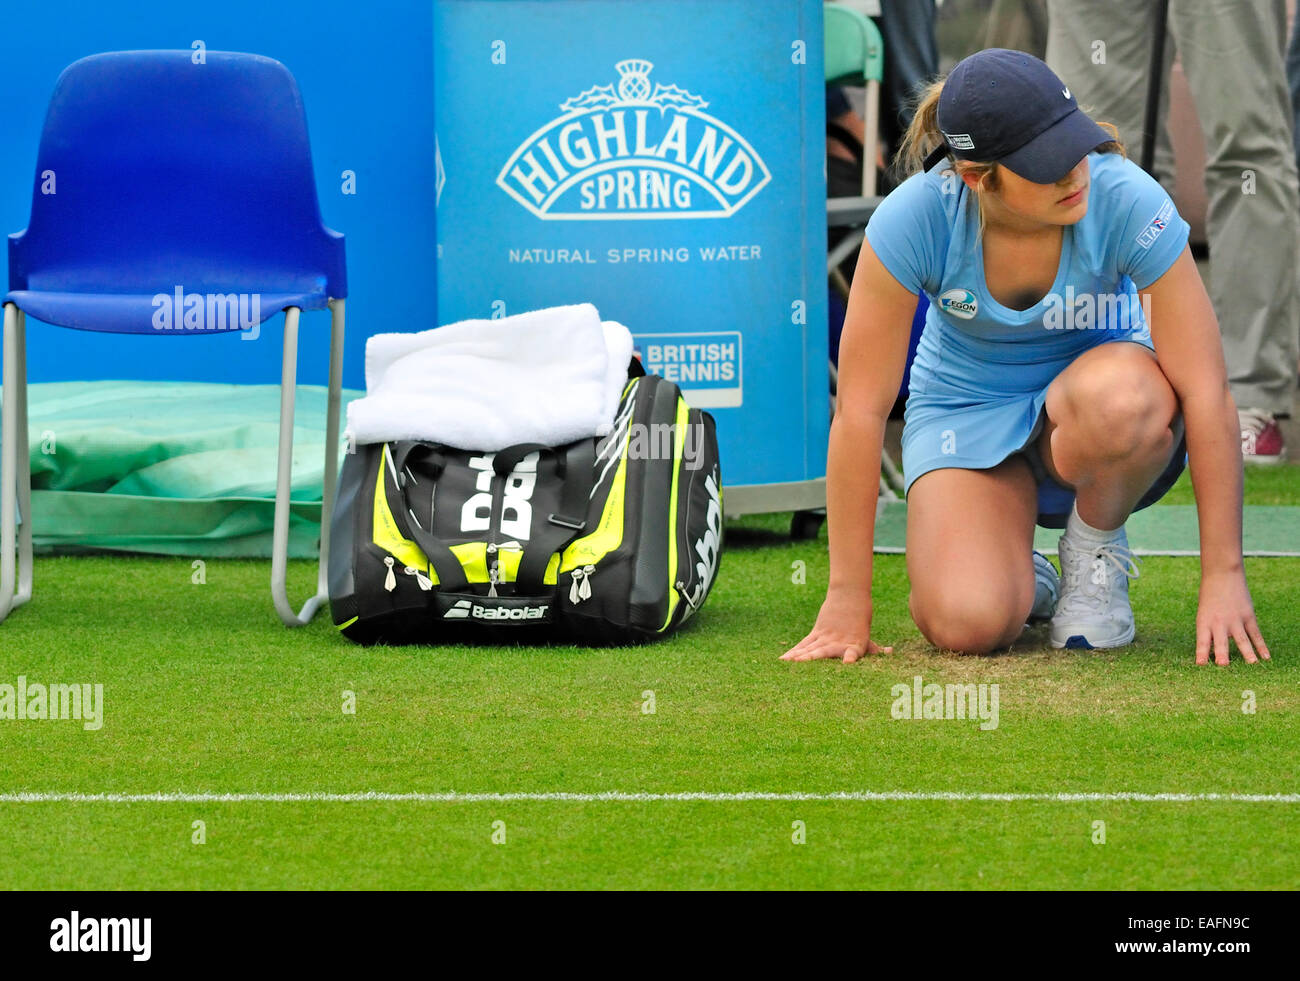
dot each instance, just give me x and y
(548, 376)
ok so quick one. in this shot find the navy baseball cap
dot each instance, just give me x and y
(1008, 107)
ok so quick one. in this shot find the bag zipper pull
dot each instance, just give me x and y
(390, 580)
(681, 588)
(492, 569)
(580, 588)
(424, 581)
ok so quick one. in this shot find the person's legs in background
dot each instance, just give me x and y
(1020, 25)
(1232, 53)
(1293, 80)
(907, 29)
(1102, 51)
(840, 114)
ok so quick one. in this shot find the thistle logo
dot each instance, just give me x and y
(641, 150)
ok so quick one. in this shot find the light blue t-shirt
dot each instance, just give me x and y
(974, 348)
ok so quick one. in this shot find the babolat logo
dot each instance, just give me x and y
(959, 303)
(634, 151)
(709, 547)
(468, 610)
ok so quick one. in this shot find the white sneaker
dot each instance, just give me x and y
(1047, 587)
(1094, 611)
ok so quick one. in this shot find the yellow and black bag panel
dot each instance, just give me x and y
(606, 540)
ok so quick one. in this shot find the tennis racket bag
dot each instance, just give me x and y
(609, 540)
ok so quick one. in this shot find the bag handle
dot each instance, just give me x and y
(575, 465)
(577, 468)
(451, 575)
(406, 450)
(505, 461)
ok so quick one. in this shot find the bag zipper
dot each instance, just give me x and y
(424, 582)
(580, 587)
(493, 574)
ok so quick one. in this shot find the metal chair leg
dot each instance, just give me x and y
(873, 136)
(15, 468)
(284, 472)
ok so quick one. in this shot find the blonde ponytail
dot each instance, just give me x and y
(923, 134)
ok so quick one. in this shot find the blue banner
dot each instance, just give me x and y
(663, 160)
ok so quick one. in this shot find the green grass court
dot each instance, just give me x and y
(205, 693)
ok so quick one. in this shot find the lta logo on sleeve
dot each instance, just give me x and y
(634, 149)
(1156, 225)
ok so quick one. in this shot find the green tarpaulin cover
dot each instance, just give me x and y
(177, 468)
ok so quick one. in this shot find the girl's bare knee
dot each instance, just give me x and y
(969, 623)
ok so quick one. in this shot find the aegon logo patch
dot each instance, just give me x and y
(465, 610)
(959, 303)
(635, 151)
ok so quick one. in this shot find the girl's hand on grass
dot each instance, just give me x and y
(842, 630)
(1225, 611)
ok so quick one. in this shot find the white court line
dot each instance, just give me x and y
(615, 796)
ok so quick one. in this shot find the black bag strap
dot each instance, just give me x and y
(451, 575)
(576, 466)
(405, 452)
(505, 461)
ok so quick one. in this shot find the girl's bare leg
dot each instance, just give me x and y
(970, 537)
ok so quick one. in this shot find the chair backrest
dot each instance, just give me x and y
(163, 168)
(854, 48)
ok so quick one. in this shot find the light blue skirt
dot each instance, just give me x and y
(949, 427)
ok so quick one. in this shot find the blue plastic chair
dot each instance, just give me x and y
(172, 172)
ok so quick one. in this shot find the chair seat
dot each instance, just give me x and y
(161, 313)
(850, 212)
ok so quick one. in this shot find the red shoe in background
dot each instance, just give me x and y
(1261, 438)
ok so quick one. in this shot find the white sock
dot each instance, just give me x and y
(1084, 533)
